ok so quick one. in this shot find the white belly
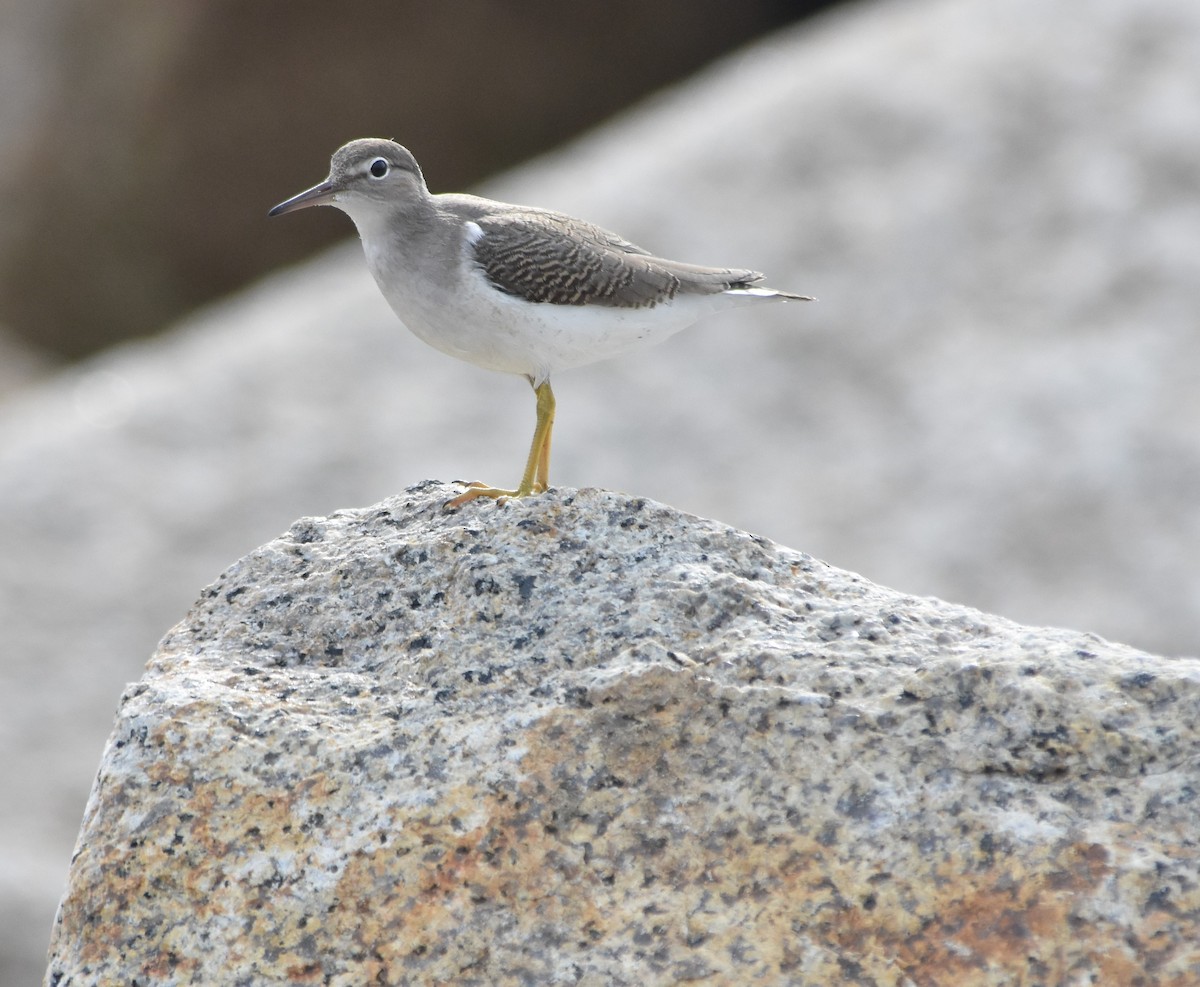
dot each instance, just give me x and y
(501, 332)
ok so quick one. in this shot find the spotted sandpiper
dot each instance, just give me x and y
(514, 288)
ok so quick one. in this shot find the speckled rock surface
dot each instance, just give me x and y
(586, 739)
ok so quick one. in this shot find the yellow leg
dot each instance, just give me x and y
(543, 470)
(536, 477)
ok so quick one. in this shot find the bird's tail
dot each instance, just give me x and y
(762, 292)
(694, 279)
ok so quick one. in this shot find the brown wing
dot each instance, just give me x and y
(549, 257)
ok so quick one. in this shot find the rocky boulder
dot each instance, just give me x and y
(588, 739)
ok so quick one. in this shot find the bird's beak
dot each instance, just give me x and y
(318, 195)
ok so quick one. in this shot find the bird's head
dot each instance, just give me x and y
(366, 175)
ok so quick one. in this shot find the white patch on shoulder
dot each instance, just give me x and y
(474, 232)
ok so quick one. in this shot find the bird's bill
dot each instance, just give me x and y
(318, 195)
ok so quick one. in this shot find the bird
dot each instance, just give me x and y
(515, 289)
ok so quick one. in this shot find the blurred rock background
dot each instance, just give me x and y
(995, 400)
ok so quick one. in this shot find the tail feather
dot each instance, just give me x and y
(772, 293)
(714, 280)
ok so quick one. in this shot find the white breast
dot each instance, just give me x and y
(466, 317)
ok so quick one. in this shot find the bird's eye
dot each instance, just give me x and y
(379, 167)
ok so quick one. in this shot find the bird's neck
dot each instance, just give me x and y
(383, 223)
(397, 240)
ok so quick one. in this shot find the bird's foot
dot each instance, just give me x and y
(476, 489)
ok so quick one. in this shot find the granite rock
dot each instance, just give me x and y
(589, 739)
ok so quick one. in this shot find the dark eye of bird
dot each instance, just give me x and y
(379, 167)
